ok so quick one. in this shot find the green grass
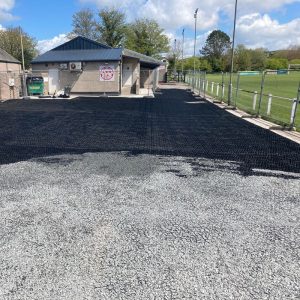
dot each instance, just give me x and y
(285, 86)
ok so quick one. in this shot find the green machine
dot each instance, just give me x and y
(35, 85)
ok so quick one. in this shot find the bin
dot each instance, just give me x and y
(35, 85)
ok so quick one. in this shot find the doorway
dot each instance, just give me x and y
(53, 81)
(127, 74)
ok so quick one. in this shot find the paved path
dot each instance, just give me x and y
(169, 198)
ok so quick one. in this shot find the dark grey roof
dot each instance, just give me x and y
(52, 56)
(5, 57)
(81, 43)
(144, 59)
(84, 49)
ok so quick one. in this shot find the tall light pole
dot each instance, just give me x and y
(232, 56)
(195, 17)
(175, 45)
(23, 64)
(182, 54)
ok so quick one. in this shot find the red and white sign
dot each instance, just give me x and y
(107, 73)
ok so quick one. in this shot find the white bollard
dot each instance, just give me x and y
(218, 89)
(203, 86)
(293, 111)
(223, 91)
(269, 105)
(254, 100)
(206, 85)
(212, 87)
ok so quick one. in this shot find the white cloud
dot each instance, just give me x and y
(172, 14)
(2, 28)
(5, 7)
(46, 45)
(256, 30)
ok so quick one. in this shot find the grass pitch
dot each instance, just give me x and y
(282, 87)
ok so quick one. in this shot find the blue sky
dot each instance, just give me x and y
(261, 23)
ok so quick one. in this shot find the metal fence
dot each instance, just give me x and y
(271, 95)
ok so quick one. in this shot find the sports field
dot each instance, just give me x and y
(282, 87)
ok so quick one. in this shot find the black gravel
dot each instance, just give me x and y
(174, 123)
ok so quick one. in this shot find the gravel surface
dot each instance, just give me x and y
(166, 198)
(118, 226)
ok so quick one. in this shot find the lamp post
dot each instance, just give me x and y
(232, 56)
(195, 17)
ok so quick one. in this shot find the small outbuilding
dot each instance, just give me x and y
(84, 66)
(10, 76)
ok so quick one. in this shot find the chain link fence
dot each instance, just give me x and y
(272, 95)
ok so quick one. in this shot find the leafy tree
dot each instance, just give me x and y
(258, 59)
(215, 48)
(277, 63)
(242, 61)
(112, 27)
(84, 24)
(200, 64)
(205, 65)
(147, 37)
(10, 41)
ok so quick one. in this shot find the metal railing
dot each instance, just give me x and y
(267, 95)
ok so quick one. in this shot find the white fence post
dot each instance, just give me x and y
(293, 111)
(206, 85)
(254, 100)
(269, 104)
(212, 87)
(218, 86)
(203, 86)
(223, 90)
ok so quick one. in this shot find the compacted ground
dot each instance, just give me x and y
(165, 198)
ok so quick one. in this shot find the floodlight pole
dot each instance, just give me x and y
(195, 17)
(182, 54)
(175, 45)
(23, 65)
(232, 55)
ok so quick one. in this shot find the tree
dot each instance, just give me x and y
(147, 37)
(10, 41)
(215, 48)
(112, 27)
(258, 59)
(242, 61)
(200, 64)
(84, 24)
(276, 63)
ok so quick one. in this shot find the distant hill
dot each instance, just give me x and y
(290, 54)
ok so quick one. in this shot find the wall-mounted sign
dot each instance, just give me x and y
(107, 73)
(11, 82)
